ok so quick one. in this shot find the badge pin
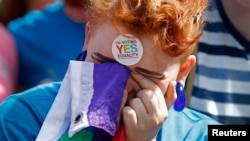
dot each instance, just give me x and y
(127, 49)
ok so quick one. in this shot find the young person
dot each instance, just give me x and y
(138, 57)
(221, 87)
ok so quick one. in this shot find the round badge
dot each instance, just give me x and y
(127, 49)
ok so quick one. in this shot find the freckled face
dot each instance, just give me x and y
(154, 64)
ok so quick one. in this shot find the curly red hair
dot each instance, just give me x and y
(175, 24)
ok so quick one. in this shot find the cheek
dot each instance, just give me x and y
(170, 76)
(163, 84)
(245, 3)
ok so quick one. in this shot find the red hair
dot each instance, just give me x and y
(175, 24)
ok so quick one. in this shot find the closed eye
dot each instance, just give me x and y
(149, 73)
(101, 58)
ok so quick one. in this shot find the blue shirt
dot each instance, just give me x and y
(22, 115)
(46, 41)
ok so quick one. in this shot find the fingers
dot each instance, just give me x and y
(144, 82)
(150, 97)
(150, 100)
(139, 107)
(150, 94)
(129, 117)
(146, 112)
(124, 100)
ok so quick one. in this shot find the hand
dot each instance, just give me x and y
(145, 114)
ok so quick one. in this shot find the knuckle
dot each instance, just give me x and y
(145, 94)
(133, 102)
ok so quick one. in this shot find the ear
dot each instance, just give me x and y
(87, 36)
(185, 69)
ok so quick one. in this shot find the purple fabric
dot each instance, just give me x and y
(110, 80)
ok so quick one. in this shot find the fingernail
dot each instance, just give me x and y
(180, 102)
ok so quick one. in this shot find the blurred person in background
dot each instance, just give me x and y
(46, 40)
(221, 88)
(8, 63)
(12, 9)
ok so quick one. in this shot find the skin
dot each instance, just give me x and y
(148, 97)
(238, 11)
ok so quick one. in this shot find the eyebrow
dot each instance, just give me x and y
(145, 72)
(149, 73)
